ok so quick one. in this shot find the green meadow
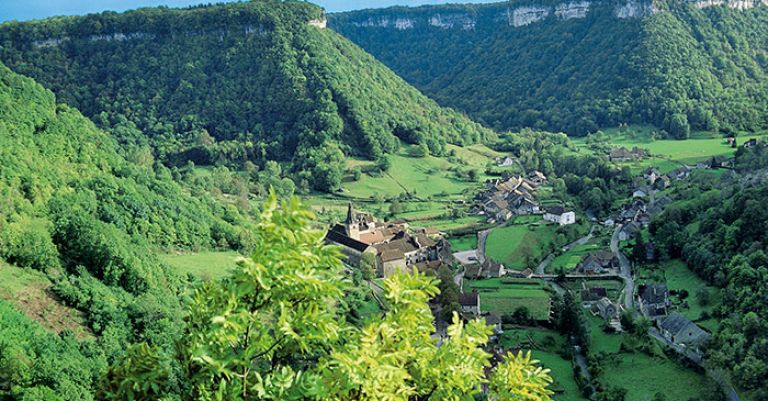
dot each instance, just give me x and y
(513, 243)
(668, 154)
(205, 265)
(568, 260)
(463, 243)
(502, 298)
(546, 346)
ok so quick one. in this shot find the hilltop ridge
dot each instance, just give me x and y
(230, 84)
(580, 66)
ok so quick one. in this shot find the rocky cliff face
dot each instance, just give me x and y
(473, 16)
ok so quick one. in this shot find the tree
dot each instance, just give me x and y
(638, 249)
(677, 125)
(271, 331)
(395, 207)
(702, 296)
(659, 397)
(383, 163)
(612, 394)
(368, 266)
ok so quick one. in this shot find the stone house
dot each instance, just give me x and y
(559, 215)
(653, 300)
(683, 332)
(470, 303)
(606, 309)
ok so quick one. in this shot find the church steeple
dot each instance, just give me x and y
(350, 214)
(352, 226)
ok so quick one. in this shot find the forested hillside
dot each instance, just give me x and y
(227, 84)
(89, 221)
(720, 231)
(579, 66)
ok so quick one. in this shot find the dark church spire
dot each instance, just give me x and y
(350, 214)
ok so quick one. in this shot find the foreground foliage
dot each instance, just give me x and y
(272, 331)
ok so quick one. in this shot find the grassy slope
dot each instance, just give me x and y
(508, 244)
(669, 154)
(465, 243)
(28, 291)
(561, 369)
(643, 376)
(205, 265)
(430, 178)
(678, 277)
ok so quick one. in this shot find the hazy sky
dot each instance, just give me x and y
(32, 9)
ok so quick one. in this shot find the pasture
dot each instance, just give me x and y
(520, 245)
(502, 298)
(204, 265)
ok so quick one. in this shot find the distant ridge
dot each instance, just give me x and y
(578, 66)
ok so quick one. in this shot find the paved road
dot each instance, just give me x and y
(481, 237)
(459, 280)
(625, 270)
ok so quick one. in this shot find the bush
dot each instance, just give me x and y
(27, 243)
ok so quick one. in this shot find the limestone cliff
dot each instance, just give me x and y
(518, 14)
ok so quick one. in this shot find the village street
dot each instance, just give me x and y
(625, 270)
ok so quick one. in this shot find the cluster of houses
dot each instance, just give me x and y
(388, 245)
(654, 303)
(623, 154)
(635, 215)
(487, 269)
(596, 300)
(598, 263)
(516, 195)
(507, 197)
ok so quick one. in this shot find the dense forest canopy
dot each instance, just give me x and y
(680, 69)
(232, 83)
(89, 220)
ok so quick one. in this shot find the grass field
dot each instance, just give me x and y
(678, 277)
(511, 244)
(433, 180)
(504, 298)
(424, 176)
(643, 376)
(601, 341)
(205, 265)
(545, 345)
(463, 243)
(13, 280)
(569, 260)
(669, 153)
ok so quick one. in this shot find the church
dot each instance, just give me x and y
(390, 246)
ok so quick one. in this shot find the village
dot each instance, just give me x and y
(517, 300)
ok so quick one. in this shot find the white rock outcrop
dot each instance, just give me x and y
(572, 10)
(527, 15)
(634, 9)
(448, 21)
